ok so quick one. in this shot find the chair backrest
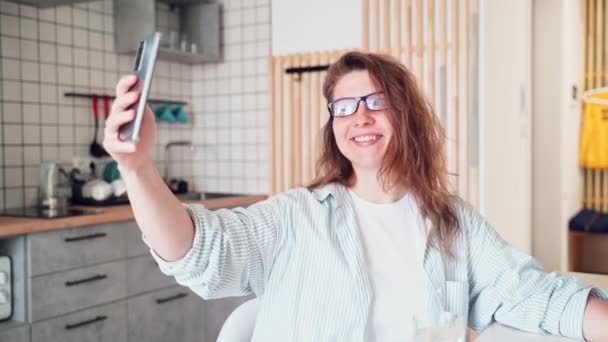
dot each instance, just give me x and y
(239, 326)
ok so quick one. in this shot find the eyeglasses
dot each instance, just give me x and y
(349, 105)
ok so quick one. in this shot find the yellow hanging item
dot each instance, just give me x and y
(593, 147)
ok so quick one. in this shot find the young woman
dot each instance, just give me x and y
(375, 240)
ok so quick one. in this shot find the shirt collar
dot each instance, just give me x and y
(336, 190)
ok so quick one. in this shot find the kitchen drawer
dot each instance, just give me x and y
(107, 323)
(68, 291)
(21, 334)
(70, 248)
(143, 275)
(135, 245)
(173, 314)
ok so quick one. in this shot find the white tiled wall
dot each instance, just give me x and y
(230, 103)
(47, 52)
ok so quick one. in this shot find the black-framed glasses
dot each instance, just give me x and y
(346, 106)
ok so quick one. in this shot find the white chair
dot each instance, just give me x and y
(239, 326)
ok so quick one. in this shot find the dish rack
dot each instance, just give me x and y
(78, 199)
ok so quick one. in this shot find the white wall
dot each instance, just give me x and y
(505, 83)
(315, 25)
(230, 101)
(557, 67)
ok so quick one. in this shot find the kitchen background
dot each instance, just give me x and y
(527, 180)
(47, 52)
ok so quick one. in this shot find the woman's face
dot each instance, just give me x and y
(364, 136)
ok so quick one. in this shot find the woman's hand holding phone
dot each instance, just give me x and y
(130, 156)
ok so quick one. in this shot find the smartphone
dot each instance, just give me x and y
(144, 68)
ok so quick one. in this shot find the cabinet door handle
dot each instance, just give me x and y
(168, 299)
(85, 280)
(85, 237)
(87, 322)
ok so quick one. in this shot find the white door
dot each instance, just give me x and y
(505, 121)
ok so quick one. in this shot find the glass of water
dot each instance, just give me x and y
(443, 327)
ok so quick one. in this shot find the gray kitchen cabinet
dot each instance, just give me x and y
(135, 245)
(143, 275)
(70, 248)
(20, 334)
(102, 285)
(64, 292)
(107, 323)
(173, 314)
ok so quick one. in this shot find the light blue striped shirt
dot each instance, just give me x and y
(299, 252)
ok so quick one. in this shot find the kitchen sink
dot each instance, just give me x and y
(189, 196)
(195, 196)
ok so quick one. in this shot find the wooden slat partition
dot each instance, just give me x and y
(454, 118)
(594, 182)
(597, 76)
(419, 54)
(305, 118)
(279, 132)
(296, 126)
(316, 110)
(365, 25)
(409, 34)
(431, 37)
(375, 25)
(443, 61)
(290, 124)
(463, 174)
(431, 49)
(588, 53)
(396, 50)
(272, 129)
(297, 113)
(386, 32)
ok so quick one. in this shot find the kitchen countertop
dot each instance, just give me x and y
(12, 226)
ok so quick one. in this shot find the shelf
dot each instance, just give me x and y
(156, 101)
(184, 57)
(49, 3)
(199, 22)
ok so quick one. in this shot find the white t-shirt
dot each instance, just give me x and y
(393, 242)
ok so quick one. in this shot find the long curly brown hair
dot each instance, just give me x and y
(415, 158)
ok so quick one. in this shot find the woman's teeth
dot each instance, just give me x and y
(366, 138)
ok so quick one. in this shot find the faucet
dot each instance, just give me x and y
(167, 148)
(53, 190)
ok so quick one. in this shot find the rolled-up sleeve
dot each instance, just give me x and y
(571, 322)
(232, 251)
(511, 287)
